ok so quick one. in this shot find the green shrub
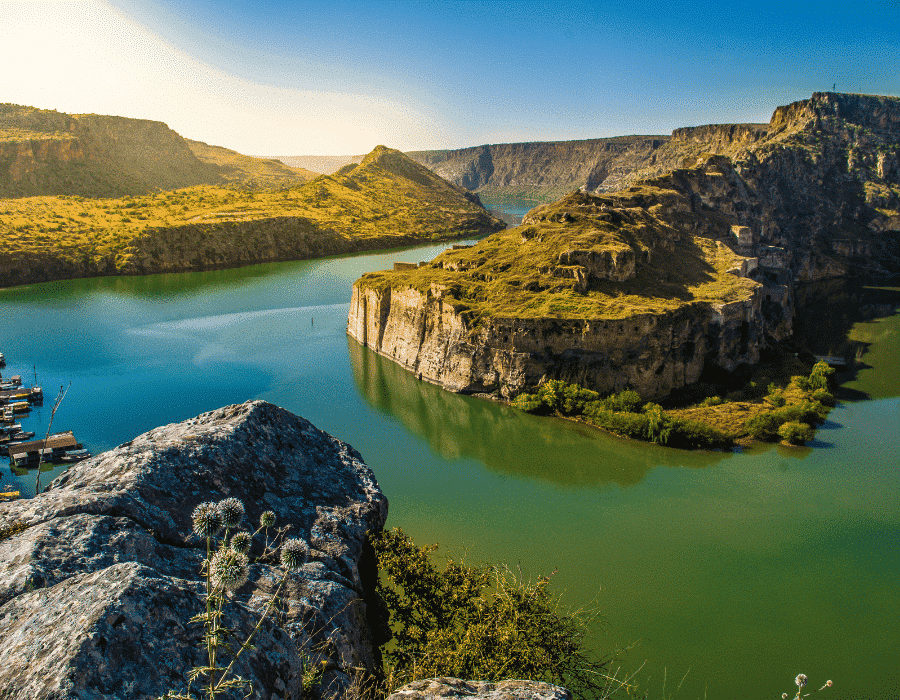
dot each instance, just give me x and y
(764, 426)
(530, 403)
(477, 621)
(796, 433)
(628, 401)
(776, 400)
(712, 401)
(575, 398)
(820, 377)
(802, 383)
(824, 397)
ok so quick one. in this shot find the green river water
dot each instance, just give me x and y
(738, 571)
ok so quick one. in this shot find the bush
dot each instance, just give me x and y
(820, 377)
(802, 383)
(628, 401)
(824, 397)
(712, 401)
(796, 433)
(530, 403)
(764, 426)
(776, 399)
(482, 622)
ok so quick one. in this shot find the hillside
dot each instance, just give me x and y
(388, 200)
(44, 152)
(686, 271)
(247, 171)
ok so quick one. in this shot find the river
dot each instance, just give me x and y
(738, 571)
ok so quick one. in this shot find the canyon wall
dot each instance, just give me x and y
(542, 171)
(434, 338)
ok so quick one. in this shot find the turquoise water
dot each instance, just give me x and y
(739, 570)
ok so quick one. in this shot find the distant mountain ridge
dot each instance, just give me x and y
(45, 152)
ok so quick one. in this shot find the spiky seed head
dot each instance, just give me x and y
(828, 684)
(206, 519)
(800, 680)
(241, 542)
(232, 511)
(229, 569)
(267, 519)
(293, 554)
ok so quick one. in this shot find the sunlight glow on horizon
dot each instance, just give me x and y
(83, 56)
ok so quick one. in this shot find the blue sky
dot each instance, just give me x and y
(303, 78)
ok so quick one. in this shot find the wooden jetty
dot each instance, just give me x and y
(51, 450)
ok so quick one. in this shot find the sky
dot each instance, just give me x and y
(285, 78)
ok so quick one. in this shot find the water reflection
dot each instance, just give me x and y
(505, 439)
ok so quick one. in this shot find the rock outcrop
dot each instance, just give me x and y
(96, 594)
(626, 288)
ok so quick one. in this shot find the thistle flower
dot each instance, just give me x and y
(241, 542)
(267, 519)
(232, 512)
(293, 554)
(800, 680)
(229, 569)
(206, 519)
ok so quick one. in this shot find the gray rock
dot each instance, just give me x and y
(95, 596)
(434, 688)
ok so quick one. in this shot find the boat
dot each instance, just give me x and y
(10, 429)
(75, 455)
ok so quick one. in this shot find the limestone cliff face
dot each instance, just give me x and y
(96, 594)
(542, 170)
(432, 336)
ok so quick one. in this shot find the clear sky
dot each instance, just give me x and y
(326, 78)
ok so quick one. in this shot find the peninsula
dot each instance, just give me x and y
(689, 267)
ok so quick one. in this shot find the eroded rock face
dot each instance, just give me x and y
(651, 353)
(434, 688)
(95, 596)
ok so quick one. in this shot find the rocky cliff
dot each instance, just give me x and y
(542, 171)
(44, 152)
(688, 269)
(96, 593)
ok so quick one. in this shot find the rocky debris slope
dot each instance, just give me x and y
(454, 688)
(96, 594)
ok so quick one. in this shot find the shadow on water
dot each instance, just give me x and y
(506, 439)
(856, 322)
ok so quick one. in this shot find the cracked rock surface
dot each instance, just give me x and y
(96, 594)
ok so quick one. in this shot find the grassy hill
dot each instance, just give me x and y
(44, 152)
(386, 200)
